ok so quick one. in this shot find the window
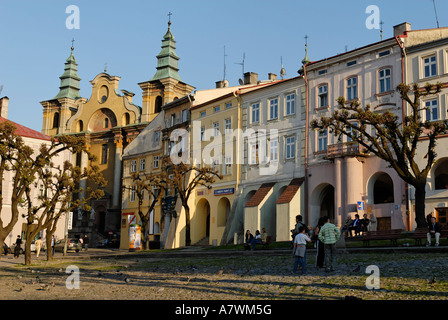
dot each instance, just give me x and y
(142, 164)
(157, 135)
(273, 150)
(106, 122)
(172, 119)
(227, 170)
(56, 120)
(255, 113)
(155, 162)
(321, 72)
(215, 129)
(290, 147)
(184, 115)
(132, 194)
(351, 63)
(202, 133)
(228, 105)
(253, 157)
(322, 140)
(430, 66)
(352, 88)
(290, 104)
(216, 109)
(432, 110)
(228, 125)
(273, 109)
(384, 76)
(133, 165)
(104, 152)
(215, 165)
(351, 132)
(384, 53)
(323, 96)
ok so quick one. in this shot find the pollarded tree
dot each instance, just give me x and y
(151, 184)
(389, 138)
(60, 187)
(183, 179)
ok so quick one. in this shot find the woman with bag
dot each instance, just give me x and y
(299, 250)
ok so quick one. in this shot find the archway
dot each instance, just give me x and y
(101, 120)
(441, 174)
(322, 203)
(380, 189)
(202, 220)
(223, 212)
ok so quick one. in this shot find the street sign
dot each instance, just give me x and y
(360, 205)
(70, 221)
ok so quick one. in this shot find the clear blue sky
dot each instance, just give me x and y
(34, 40)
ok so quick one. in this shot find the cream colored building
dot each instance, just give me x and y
(34, 140)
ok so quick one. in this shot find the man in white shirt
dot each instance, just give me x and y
(299, 251)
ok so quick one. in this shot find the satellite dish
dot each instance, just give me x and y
(240, 81)
(282, 72)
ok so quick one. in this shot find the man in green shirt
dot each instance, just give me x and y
(329, 234)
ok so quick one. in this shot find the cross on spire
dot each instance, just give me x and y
(73, 40)
(169, 17)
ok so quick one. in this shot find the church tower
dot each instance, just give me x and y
(166, 85)
(58, 110)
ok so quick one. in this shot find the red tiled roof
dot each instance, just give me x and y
(290, 190)
(256, 199)
(27, 132)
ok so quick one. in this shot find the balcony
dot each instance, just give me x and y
(344, 149)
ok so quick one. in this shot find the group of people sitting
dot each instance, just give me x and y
(359, 226)
(251, 241)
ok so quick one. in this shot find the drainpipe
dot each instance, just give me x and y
(306, 143)
(404, 80)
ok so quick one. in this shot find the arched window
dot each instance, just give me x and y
(56, 120)
(383, 189)
(441, 175)
(126, 119)
(79, 126)
(158, 104)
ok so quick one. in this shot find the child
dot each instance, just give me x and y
(300, 250)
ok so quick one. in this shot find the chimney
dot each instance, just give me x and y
(250, 78)
(272, 76)
(4, 107)
(222, 84)
(402, 28)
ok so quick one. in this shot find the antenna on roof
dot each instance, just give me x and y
(282, 70)
(1, 89)
(435, 11)
(224, 78)
(242, 63)
(381, 31)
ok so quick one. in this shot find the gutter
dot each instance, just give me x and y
(306, 142)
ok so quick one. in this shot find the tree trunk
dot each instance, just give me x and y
(420, 196)
(1, 247)
(187, 226)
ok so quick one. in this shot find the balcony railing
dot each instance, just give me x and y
(344, 149)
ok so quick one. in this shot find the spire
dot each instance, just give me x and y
(306, 59)
(69, 87)
(167, 59)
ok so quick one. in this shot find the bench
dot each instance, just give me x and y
(392, 235)
(420, 233)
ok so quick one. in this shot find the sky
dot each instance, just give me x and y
(211, 37)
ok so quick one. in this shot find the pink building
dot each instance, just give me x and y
(341, 180)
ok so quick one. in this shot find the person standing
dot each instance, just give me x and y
(329, 234)
(52, 245)
(86, 242)
(300, 250)
(17, 247)
(320, 254)
(38, 244)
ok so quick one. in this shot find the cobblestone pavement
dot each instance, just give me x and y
(227, 276)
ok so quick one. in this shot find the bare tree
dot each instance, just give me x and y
(151, 184)
(183, 179)
(395, 141)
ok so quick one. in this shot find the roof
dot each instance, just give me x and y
(258, 197)
(290, 190)
(27, 132)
